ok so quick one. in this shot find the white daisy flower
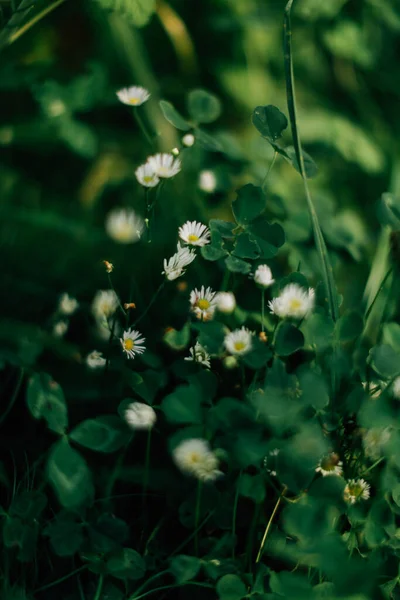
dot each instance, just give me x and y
(200, 355)
(239, 341)
(226, 302)
(207, 181)
(293, 301)
(132, 342)
(133, 96)
(374, 441)
(60, 328)
(175, 266)
(355, 490)
(330, 465)
(140, 416)
(164, 165)
(194, 457)
(146, 176)
(396, 388)
(194, 233)
(188, 140)
(203, 303)
(124, 225)
(95, 360)
(263, 276)
(104, 304)
(67, 305)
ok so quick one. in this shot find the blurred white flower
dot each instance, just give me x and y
(200, 355)
(133, 96)
(175, 266)
(293, 301)
(239, 341)
(188, 140)
(194, 233)
(132, 342)
(263, 276)
(194, 457)
(60, 328)
(207, 181)
(230, 362)
(396, 388)
(146, 175)
(104, 304)
(67, 305)
(330, 465)
(124, 225)
(164, 165)
(140, 416)
(95, 360)
(355, 490)
(374, 441)
(203, 303)
(226, 302)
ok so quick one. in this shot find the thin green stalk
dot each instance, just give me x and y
(99, 588)
(268, 527)
(14, 396)
(376, 463)
(326, 267)
(269, 169)
(60, 580)
(197, 517)
(139, 120)
(150, 304)
(262, 309)
(193, 534)
(147, 465)
(146, 583)
(118, 300)
(235, 505)
(170, 587)
(371, 306)
(115, 472)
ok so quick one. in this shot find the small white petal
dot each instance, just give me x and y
(146, 176)
(194, 234)
(133, 96)
(263, 276)
(67, 305)
(175, 266)
(95, 360)
(207, 181)
(140, 416)
(194, 457)
(124, 225)
(226, 302)
(164, 165)
(239, 342)
(104, 304)
(293, 301)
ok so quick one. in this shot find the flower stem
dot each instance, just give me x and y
(150, 304)
(376, 463)
(269, 169)
(262, 309)
(146, 465)
(139, 120)
(235, 505)
(99, 588)
(60, 580)
(14, 396)
(268, 527)
(197, 517)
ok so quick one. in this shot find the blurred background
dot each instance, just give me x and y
(69, 148)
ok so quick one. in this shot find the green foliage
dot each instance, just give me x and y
(103, 434)
(185, 568)
(137, 12)
(288, 339)
(231, 587)
(203, 107)
(127, 564)
(46, 400)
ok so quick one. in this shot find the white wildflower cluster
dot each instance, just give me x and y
(200, 355)
(157, 167)
(140, 416)
(67, 305)
(330, 465)
(193, 234)
(293, 301)
(194, 457)
(356, 490)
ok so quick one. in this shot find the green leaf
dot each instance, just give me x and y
(213, 253)
(385, 360)
(103, 434)
(318, 331)
(207, 141)
(183, 405)
(20, 535)
(185, 568)
(269, 121)
(288, 339)
(231, 587)
(178, 340)
(389, 211)
(314, 388)
(137, 12)
(211, 336)
(127, 564)
(349, 326)
(108, 533)
(237, 265)
(173, 116)
(252, 486)
(45, 399)
(249, 204)
(66, 535)
(203, 107)
(28, 505)
(258, 356)
(147, 384)
(246, 247)
(391, 335)
(269, 237)
(310, 167)
(69, 475)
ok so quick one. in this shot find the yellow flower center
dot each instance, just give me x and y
(194, 457)
(203, 304)
(193, 238)
(129, 344)
(148, 178)
(295, 304)
(134, 101)
(239, 346)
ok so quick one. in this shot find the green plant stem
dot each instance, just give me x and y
(269, 169)
(376, 463)
(371, 306)
(262, 309)
(197, 517)
(327, 273)
(268, 527)
(99, 588)
(193, 534)
(139, 121)
(14, 396)
(60, 580)
(171, 586)
(113, 288)
(225, 281)
(146, 583)
(150, 304)
(115, 473)
(146, 465)
(110, 340)
(235, 505)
